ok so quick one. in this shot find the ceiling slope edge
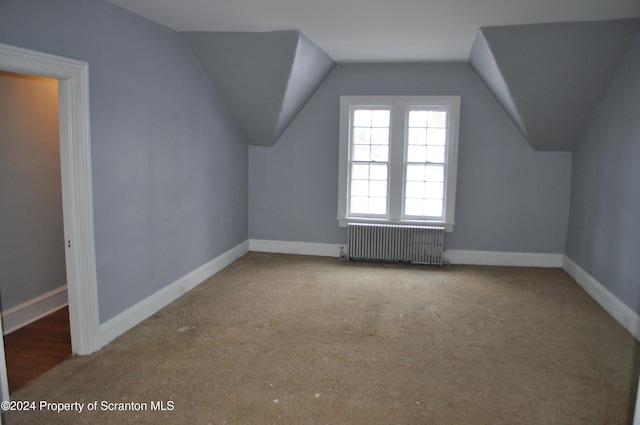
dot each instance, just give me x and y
(484, 64)
(311, 66)
(550, 78)
(263, 78)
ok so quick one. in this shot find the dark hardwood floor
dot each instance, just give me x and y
(34, 349)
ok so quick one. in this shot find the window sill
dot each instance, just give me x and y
(448, 227)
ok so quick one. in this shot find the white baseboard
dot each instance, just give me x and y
(496, 258)
(28, 312)
(486, 258)
(616, 308)
(628, 318)
(300, 248)
(144, 309)
(129, 318)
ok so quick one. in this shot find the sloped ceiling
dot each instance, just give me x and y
(264, 79)
(550, 77)
(377, 30)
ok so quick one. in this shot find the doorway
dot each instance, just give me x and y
(77, 198)
(32, 258)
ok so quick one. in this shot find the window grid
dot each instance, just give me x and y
(368, 186)
(401, 169)
(424, 166)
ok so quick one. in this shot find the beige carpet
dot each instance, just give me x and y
(277, 339)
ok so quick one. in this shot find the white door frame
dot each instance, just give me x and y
(77, 192)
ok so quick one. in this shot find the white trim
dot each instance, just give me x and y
(485, 258)
(636, 416)
(129, 318)
(78, 211)
(399, 107)
(628, 318)
(344, 222)
(4, 385)
(29, 311)
(77, 192)
(497, 258)
(299, 248)
(77, 195)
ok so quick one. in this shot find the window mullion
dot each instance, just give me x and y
(396, 162)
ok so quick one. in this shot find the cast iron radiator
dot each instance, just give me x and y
(395, 243)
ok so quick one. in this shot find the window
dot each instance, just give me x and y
(398, 159)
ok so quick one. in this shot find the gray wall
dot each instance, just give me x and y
(169, 168)
(509, 197)
(31, 234)
(603, 232)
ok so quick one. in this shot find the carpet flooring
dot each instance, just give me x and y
(283, 339)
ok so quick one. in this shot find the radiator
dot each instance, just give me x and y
(395, 243)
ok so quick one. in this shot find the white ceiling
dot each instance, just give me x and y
(377, 30)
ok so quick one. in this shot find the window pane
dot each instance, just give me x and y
(380, 136)
(359, 205)
(415, 190)
(413, 207)
(415, 172)
(359, 188)
(380, 118)
(378, 172)
(361, 153)
(361, 136)
(411, 170)
(424, 190)
(417, 136)
(378, 188)
(424, 184)
(417, 118)
(437, 119)
(436, 136)
(435, 154)
(416, 154)
(432, 208)
(433, 190)
(434, 173)
(377, 205)
(362, 118)
(368, 185)
(379, 153)
(360, 171)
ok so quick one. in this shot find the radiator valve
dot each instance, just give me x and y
(343, 256)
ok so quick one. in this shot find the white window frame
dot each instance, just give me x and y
(399, 106)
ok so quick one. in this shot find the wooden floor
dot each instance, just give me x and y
(34, 349)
